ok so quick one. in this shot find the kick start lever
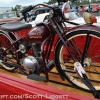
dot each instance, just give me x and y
(82, 76)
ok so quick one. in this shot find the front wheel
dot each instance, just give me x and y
(85, 48)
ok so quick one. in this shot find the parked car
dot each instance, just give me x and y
(81, 8)
(98, 9)
(94, 8)
(73, 9)
(86, 8)
(77, 8)
(8, 16)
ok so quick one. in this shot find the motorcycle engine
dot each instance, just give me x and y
(30, 64)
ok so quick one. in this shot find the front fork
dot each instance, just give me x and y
(77, 66)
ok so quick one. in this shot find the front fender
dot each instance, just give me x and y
(84, 27)
(80, 27)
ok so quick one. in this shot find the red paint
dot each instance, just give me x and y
(82, 27)
(20, 33)
(12, 86)
(37, 34)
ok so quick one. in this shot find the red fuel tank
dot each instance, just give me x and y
(38, 33)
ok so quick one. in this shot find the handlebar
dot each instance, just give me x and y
(29, 8)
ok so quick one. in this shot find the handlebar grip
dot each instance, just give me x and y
(27, 9)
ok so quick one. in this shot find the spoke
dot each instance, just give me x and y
(97, 53)
(92, 42)
(95, 56)
(77, 49)
(77, 53)
(84, 49)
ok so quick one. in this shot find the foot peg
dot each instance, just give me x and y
(36, 77)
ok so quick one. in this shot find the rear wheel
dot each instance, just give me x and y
(85, 47)
(7, 58)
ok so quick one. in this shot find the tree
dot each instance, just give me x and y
(51, 1)
(77, 2)
(18, 7)
(93, 1)
(24, 7)
(14, 9)
(73, 1)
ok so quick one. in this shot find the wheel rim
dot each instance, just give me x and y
(5, 42)
(92, 60)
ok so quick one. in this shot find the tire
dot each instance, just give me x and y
(5, 42)
(65, 64)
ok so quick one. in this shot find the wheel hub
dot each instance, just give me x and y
(87, 62)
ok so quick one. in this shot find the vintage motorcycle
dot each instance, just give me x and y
(76, 51)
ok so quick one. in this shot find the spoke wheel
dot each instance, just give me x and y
(88, 56)
(7, 57)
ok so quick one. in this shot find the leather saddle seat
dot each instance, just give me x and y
(15, 26)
